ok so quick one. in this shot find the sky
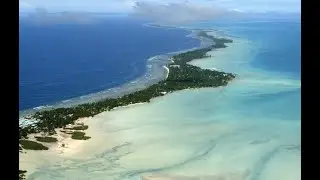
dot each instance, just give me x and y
(158, 11)
(127, 6)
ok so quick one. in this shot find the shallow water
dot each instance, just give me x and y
(250, 129)
(210, 139)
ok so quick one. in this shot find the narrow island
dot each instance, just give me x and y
(181, 76)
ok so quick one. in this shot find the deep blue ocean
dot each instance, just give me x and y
(62, 61)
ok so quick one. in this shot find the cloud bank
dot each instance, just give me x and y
(178, 12)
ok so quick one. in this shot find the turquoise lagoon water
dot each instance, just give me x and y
(248, 130)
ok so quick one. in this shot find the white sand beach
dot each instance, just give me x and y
(167, 71)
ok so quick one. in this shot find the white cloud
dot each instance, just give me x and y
(177, 12)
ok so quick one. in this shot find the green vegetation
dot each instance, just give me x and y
(22, 174)
(67, 131)
(46, 139)
(79, 136)
(181, 76)
(32, 145)
(214, 39)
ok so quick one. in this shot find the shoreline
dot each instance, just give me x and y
(28, 120)
(168, 71)
(151, 76)
(184, 76)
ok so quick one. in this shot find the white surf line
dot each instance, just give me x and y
(165, 67)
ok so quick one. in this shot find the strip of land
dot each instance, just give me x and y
(181, 75)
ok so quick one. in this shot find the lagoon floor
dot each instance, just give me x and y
(250, 129)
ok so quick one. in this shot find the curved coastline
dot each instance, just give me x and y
(184, 76)
(154, 73)
(193, 75)
(154, 64)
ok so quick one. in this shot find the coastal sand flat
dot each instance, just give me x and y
(226, 176)
(210, 133)
(138, 137)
